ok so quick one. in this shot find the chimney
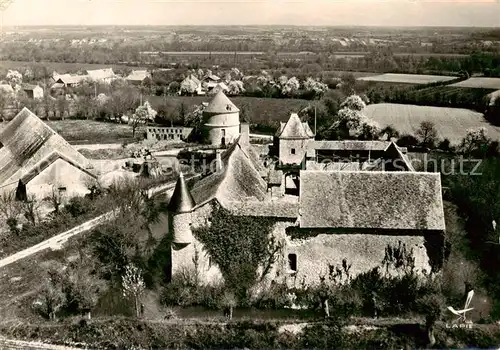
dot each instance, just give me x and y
(245, 132)
(218, 160)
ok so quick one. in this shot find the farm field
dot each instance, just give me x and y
(451, 123)
(407, 78)
(484, 83)
(88, 131)
(256, 109)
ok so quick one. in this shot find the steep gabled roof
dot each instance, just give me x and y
(238, 180)
(49, 160)
(29, 87)
(181, 201)
(371, 200)
(26, 141)
(220, 104)
(395, 159)
(295, 129)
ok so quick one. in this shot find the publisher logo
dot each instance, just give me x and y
(461, 320)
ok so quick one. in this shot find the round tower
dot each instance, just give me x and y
(222, 120)
(179, 208)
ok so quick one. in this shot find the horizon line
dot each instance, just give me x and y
(251, 25)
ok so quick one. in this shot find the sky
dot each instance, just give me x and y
(478, 13)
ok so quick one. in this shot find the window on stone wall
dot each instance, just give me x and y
(292, 262)
(292, 151)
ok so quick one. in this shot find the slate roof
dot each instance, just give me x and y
(371, 200)
(70, 79)
(221, 104)
(350, 145)
(26, 141)
(294, 129)
(181, 201)
(269, 208)
(238, 180)
(138, 75)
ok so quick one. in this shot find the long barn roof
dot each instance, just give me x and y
(371, 200)
(26, 141)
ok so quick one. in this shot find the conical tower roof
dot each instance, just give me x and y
(220, 104)
(181, 201)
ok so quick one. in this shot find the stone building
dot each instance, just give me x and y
(34, 92)
(172, 133)
(291, 141)
(334, 215)
(34, 160)
(221, 120)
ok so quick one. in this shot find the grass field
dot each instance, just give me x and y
(485, 83)
(451, 123)
(407, 78)
(88, 131)
(255, 108)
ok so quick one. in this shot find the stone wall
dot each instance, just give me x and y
(313, 254)
(285, 151)
(363, 251)
(59, 174)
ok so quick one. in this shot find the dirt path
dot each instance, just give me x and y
(58, 241)
(11, 344)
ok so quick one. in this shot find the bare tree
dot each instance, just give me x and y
(427, 134)
(55, 198)
(30, 208)
(133, 286)
(9, 207)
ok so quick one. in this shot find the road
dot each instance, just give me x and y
(56, 242)
(11, 344)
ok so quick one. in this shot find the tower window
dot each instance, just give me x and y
(228, 107)
(292, 262)
(292, 151)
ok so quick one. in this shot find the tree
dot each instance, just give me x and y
(15, 79)
(143, 114)
(121, 101)
(351, 122)
(475, 141)
(30, 208)
(427, 134)
(236, 87)
(314, 87)
(389, 132)
(81, 285)
(51, 297)
(62, 106)
(289, 86)
(55, 198)
(9, 206)
(133, 286)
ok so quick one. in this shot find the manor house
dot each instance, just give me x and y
(323, 212)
